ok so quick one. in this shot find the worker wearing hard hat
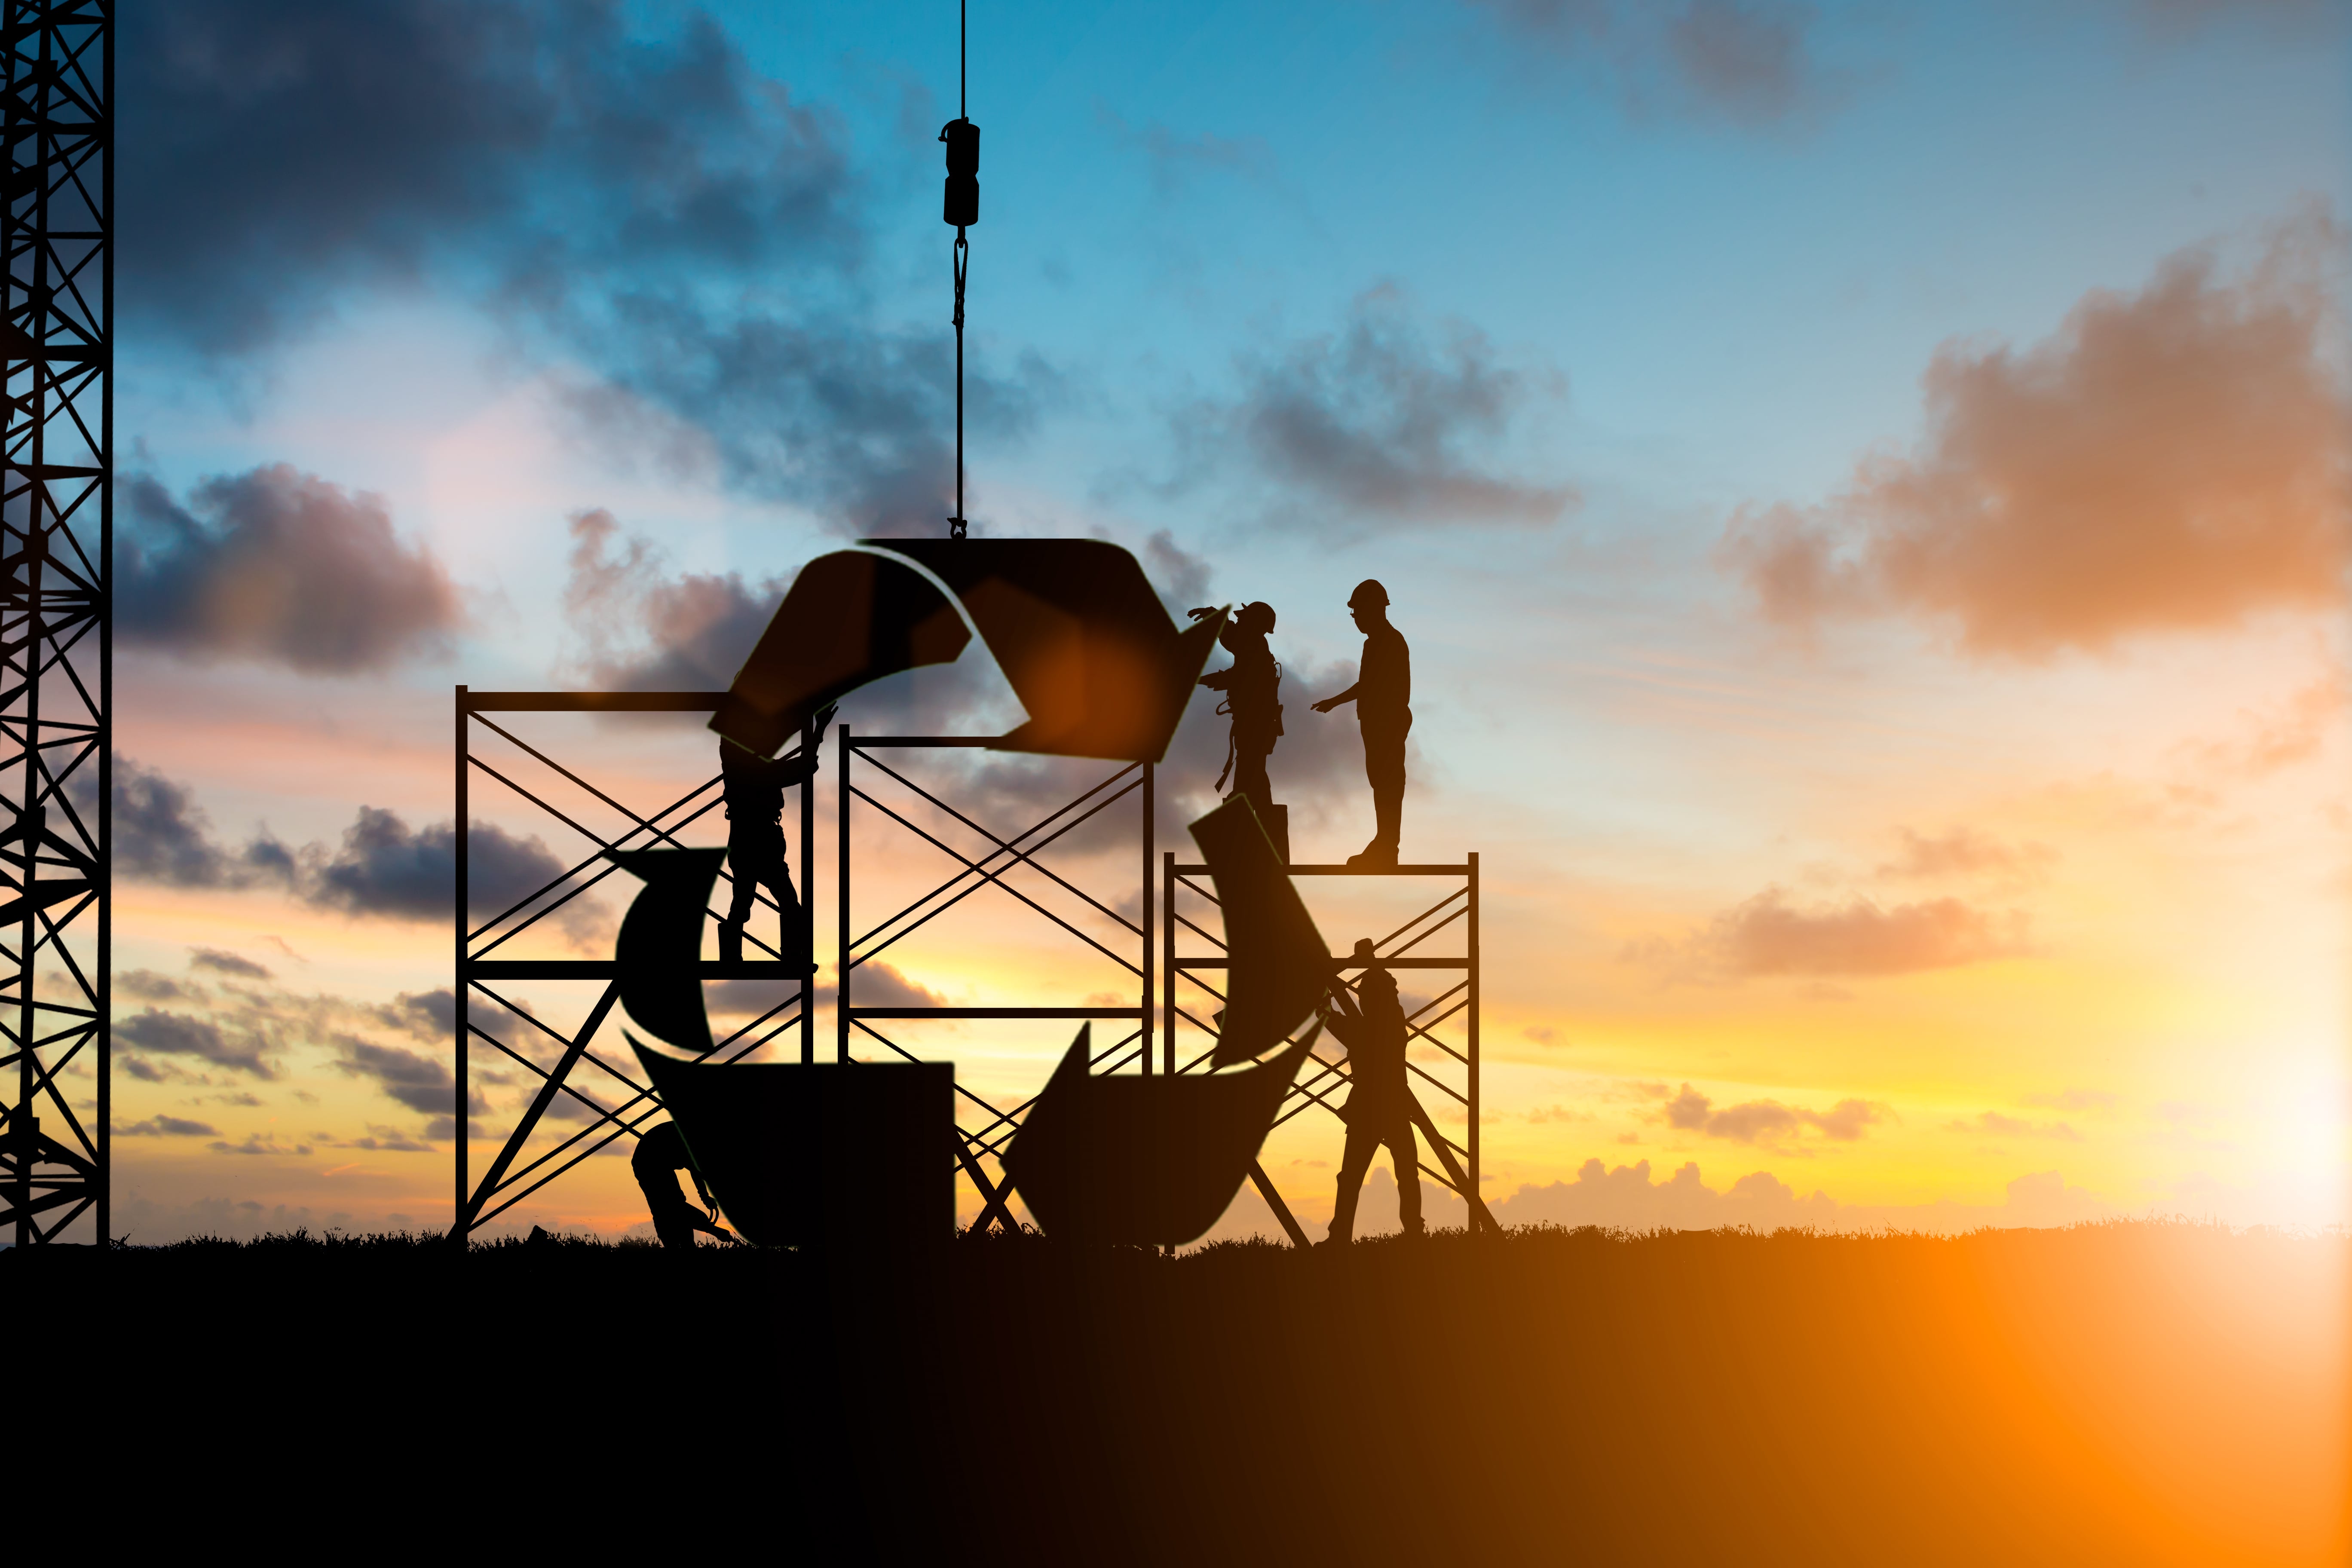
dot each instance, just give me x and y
(1382, 695)
(1252, 689)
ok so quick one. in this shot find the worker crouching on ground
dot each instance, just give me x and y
(1252, 689)
(1380, 1102)
(755, 841)
(660, 1155)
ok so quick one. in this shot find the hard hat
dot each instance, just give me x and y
(1256, 617)
(1368, 592)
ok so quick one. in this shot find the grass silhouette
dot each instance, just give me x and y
(2126, 1392)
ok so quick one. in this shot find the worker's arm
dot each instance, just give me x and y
(1218, 679)
(1348, 695)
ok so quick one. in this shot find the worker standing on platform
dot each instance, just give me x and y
(1379, 1101)
(1252, 689)
(755, 789)
(1382, 695)
(660, 1155)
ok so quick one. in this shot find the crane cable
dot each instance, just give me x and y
(961, 208)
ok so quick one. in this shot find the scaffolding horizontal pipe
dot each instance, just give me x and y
(857, 1013)
(1462, 871)
(590, 701)
(952, 742)
(1345, 962)
(607, 969)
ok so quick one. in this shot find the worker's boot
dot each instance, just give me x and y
(730, 941)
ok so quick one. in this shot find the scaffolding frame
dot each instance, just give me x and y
(503, 1184)
(56, 613)
(971, 876)
(1457, 1168)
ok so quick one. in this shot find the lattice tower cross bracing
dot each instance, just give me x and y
(56, 532)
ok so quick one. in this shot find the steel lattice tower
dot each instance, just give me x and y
(56, 622)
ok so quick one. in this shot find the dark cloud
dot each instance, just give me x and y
(382, 867)
(421, 1083)
(277, 153)
(254, 1144)
(1767, 936)
(430, 1015)
(177, 1034)
(215, 959)
(638, 200)
(146, 985)
(1762, 1120)
(1748, 63)
(2173, 460)
(853, 420)
(381, 1140)
(160, 834)
(166, 1127)
(277, 566)
(1375, 426)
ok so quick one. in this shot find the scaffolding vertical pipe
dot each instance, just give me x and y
(1168, 962)
(840, 955)
(465, 986)
(1475, 1188)
(105, 1065)
(1143, 1019)
(806, 937)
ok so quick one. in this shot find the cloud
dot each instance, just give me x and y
(2076, 1099)
(1174, 159)
(254, 1144)
(1994, 1124)
(1375, 424)
(1766, 936)
(429, 1015)
(2170, 462)
(1626, 1199)
(1747, 63)
(382, 867)
(421, 1083)
(2295, 732)
(634, 198)
(1965, 852)
(146, 985)
(288, 152)
(161, 836)
(1762, 1120)
(277, 566)
(225, 962)
(2188, 21)
(177, 1034)
(161, 1126)
(647, 632)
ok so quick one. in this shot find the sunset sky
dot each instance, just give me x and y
(1867, 487)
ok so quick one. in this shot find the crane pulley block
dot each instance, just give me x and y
(962, 207)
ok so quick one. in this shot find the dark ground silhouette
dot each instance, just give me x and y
(2114, 1394)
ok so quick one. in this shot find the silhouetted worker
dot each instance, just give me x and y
(1252, 689)
(755, 841)
(660, 1155)
(1382, 695)
(1379, 1103)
